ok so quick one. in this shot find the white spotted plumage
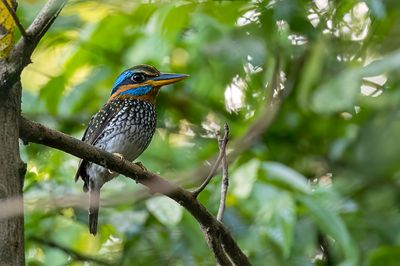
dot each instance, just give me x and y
(124, 125)
(128, 133)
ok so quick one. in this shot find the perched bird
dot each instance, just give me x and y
(124, 125)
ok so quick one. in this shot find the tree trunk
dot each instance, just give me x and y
(12, 171)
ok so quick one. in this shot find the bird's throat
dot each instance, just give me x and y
(148, 95)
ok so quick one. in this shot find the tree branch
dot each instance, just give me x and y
(37, 29)
(217, 162)
(212, 229)
(21, 54)
(225, 181)
(214, 242)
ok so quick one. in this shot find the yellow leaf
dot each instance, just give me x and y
(7, 28)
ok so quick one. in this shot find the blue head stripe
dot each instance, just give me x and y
(138, 91)
(120, 79)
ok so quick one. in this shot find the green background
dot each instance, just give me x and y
(327, 170)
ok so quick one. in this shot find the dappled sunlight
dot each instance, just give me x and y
(250, 16)
(92, 11)
(185, 128)
(48, 64)
(372, 84)
(359, 22)
(211, 125)
(234, 95)
(79, 76)
(180, 140)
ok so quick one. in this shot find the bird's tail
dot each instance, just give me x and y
(94, 201)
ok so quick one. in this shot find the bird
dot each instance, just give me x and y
(124, 126)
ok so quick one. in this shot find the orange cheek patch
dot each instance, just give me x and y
(127, 87)
(149, 97)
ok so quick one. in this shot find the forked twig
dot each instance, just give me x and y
(225, 177)
(214, 168)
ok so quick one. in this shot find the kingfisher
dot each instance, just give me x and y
(124, 126)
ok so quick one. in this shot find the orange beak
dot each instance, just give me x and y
(166, 78)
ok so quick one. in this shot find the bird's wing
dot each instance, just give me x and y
(94, 131)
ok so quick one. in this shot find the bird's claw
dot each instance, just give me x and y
(118, 155)
(141, 166)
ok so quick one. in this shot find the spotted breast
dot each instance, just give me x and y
(124, 125)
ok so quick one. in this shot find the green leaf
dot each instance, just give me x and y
(385, 255)
(388, 63)
(81, 97)
(243, 178)
(166, 211)
(338, 94)
(285, 176)
(54, 257)
(276, 215)
(331, 223)
(377, 8)
(51, 93)
(311, 73)
(129, 221)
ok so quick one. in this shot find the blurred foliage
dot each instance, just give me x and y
(318, 188)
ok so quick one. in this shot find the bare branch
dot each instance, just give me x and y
(225, 180)
(74, 254)
(216, 164)
(23, 49)
(34, 132)
(214, 242)
(39, 27)
(15, 18)
(45, 18)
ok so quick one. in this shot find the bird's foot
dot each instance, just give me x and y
(141, 166)
(118, 155)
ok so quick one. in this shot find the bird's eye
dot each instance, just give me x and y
(138, 77)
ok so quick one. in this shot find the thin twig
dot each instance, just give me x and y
(20, 55)
(74, 254)
(15, 17)
(225, 179)
(214, 168)
(214, 240)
